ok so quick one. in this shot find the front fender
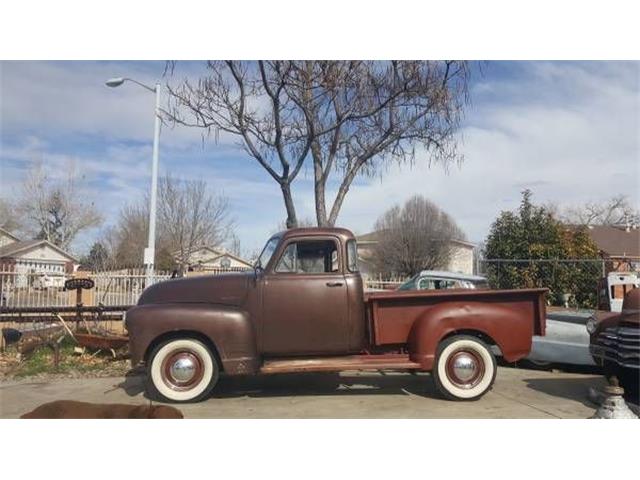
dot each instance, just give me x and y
(511, 329)
(228, 328)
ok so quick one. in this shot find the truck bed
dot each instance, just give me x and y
(392, 315)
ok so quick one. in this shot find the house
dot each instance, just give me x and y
(214, 258)
(33, 256)
(618, 245)
(462, 258)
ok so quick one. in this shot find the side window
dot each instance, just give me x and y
(425, 284)
(309, 256)
(352, 256)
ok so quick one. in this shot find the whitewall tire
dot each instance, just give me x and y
(465, 368)
(182, 370)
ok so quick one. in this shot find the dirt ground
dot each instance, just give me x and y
(518, 393)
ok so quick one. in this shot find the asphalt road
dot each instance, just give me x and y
(517, 393)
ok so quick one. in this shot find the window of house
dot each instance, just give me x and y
(309, 256)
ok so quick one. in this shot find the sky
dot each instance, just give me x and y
(569, 131)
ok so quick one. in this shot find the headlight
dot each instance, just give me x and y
(592, 324)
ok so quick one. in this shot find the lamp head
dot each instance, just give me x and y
(114, 82)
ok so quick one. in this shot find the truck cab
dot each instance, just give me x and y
(325, 313)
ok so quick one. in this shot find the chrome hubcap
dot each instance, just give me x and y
(465, 367)
(183, 369)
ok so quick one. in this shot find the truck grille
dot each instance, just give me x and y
(620, 344)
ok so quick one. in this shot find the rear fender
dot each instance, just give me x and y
(229, 329)
(510, 330)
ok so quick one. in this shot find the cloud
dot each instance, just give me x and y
(569, 131)
(70, 98)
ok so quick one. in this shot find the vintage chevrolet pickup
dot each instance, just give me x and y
(303, 309)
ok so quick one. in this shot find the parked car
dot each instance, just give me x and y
(441, 280)
(615, 343)
(303, 309)
(566, 340)
(48, 280)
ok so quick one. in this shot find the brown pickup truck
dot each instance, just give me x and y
(303, 309)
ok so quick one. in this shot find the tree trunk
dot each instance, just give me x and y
(292, 220)
(320, 184)
(342, 192)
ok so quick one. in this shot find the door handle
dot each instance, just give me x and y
(334, 284)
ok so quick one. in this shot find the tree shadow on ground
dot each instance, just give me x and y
(569, 388)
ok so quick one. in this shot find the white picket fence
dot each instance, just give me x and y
(28, 288)
(116, 287)
(382, 283)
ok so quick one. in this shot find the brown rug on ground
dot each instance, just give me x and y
(73, 409)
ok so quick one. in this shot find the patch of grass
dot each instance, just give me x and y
(41, 361)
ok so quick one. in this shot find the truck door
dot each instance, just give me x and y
(305, 308)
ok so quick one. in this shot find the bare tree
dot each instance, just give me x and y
(55, 210)
(302, 223)
(348, 117)
(414, 237)
(617, 210)
(127, 240)
(9, 220)
(235, 245)
(191, 217)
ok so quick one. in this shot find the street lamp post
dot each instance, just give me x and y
(150, 251)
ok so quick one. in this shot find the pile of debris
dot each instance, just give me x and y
(90, 347)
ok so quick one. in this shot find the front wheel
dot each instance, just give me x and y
(182, 370)
(465, 368)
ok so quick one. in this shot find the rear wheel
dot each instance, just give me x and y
(182, 370)
(465, 368)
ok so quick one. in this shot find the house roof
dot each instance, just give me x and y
(616, 241)
(7, 233)
(12, 249)
(217, 253)
(368, 237)
(227, 254)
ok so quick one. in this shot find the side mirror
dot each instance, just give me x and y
(258, 268)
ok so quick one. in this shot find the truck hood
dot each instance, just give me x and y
(224, 289)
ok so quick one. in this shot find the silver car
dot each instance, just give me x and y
(566, 339)
(441, 280)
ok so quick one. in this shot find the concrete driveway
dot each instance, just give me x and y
(517, 394)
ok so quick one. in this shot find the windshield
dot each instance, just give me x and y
(409, 284)
(267, 252)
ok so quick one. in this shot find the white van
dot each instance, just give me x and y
(45, 281)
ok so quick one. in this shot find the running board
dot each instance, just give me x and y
(337, 364)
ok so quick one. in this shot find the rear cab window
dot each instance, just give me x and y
(352, 256)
